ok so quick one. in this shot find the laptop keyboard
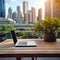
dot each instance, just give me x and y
(22, 43)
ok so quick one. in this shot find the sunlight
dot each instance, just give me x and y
(13, 0)
(40, 3)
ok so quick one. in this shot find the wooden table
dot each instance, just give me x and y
(43, 49)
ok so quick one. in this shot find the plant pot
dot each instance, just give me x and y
(49, 37)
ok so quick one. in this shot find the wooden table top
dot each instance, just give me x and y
(7, 47)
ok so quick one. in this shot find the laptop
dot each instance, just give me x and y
(22, 44)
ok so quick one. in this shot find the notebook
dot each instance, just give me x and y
(22, 44)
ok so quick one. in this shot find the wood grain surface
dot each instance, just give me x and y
(43, 49)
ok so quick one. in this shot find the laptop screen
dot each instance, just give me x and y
(14, 36)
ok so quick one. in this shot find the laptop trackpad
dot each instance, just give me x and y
(31, 43)
(27, 43)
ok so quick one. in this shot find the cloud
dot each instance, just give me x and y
(14, 0)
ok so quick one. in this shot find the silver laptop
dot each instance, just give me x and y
(21, 44)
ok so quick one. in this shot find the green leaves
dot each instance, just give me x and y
(6, 28)
(39, 26)
(48, 25)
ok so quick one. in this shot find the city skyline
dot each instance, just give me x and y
(32, 3)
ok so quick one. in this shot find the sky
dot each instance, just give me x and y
(31, 3)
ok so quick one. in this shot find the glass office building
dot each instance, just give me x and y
(2, 8)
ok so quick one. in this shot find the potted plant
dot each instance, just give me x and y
(49, 27)
(4, 29)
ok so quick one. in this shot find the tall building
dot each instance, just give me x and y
(56, 9)
(18, 15)
(10, 12)
(25, 11)
(14, 16)
(52, 9)
(29, 16)
(39, 14)
(33, 12)
(2, 8)
(48, 8)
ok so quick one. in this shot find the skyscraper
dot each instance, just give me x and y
(2, 8)
(40, 14)
(14, 16)
(56, 9)
(52, 9)
(48, 8)
(29, 16)
(10, 12)
(18, 15)
(25, 11)
(33, 12)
